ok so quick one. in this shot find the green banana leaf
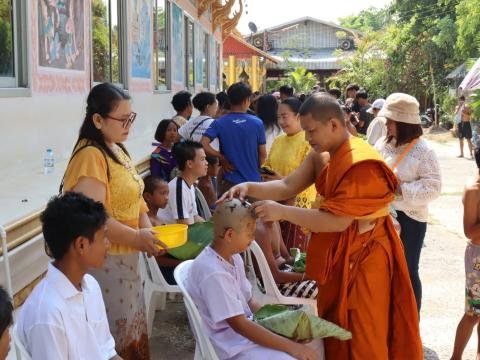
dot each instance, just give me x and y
(300, 262)
(296, 324)
(200, 235)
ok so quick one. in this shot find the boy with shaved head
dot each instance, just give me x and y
(355, 254)
(223, 295)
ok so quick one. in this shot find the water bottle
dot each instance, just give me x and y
(48, 162)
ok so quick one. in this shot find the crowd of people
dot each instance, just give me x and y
(344, 179)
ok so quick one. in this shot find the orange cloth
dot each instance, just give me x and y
(363, 282)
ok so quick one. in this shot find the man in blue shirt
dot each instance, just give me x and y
(242, 139)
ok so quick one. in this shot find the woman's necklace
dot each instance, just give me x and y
(127, 163)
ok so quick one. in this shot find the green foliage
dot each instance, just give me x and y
(475, 104)
(468, 26)
(6, 48)
(371, 19)
(301, 80)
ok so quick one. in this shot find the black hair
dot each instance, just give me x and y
(293, 103)
(405, 133)
(181, 100)
(302, 97)
(361, 94)
(102, 100)
(212, 160)
(477, 157)
(223, 101)
(151, 182)
(6, 311)
(322, 107)
(184, 151)
(238, 93)
(335, 92)
(287, 90)
(67, 217)
(462, 98)
(162, 129)
(353, 87)
(267, 111)
(203, 99)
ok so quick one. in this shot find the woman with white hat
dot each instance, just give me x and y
(418, 171)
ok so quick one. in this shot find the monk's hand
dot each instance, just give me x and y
(303, 352)
(239, 191)
(269, 211)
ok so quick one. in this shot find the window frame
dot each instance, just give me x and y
(206, 65)
(20, 29)
(187, 21)
(122, 45)
(168, 63)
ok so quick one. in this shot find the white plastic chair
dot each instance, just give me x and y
(204, 349)
(24, 355)
(272, 294)
(156, 288)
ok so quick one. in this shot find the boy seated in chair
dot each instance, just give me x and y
(223, 295)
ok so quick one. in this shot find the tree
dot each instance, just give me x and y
(468, 26)
(371, 19)
(301, 80)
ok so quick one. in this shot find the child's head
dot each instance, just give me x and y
(167, 131)
(213, 166)
(182, 103)
(74, 225)
(234, 225)
(190, 158)
(206, 103)
(156, 191)
(6, 319)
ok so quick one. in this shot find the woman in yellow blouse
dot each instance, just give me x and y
(101, 168)
(288, 151)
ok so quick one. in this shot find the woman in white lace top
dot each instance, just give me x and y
(418, 171)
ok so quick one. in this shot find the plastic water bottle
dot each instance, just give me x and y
(48, 162)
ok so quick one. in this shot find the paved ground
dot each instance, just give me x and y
(441, 272)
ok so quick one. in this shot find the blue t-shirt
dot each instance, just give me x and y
(240, 135)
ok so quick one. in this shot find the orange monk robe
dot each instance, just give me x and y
(363, 282)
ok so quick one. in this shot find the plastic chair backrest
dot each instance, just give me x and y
(157, 276)
(269, 284)
(181, 273)
(16, 340)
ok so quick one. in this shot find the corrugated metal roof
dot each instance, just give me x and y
(318, 59)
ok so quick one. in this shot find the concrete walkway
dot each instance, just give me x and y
(441, 270)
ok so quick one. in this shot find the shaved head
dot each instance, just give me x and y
(232, 214)
(322, 107)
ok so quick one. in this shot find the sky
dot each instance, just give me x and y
(267, 13)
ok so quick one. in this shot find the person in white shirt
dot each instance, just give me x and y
(64, 318)
(207, 104)
(417, 168)
(377, 128)
(219, 287)
(182, 206)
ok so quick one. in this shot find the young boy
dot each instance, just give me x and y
(64, 317)
(182, 103)
(155, 195)
(6, 319)
(223, 295)
(471, 227)
(182, 206)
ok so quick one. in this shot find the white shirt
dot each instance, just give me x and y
(271, 135)
(419, 175)
(221, 291)
(376, 130)
(181, 203)
(58, 322)
(198, 126)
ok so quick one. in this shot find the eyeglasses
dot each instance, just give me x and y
(126, 122)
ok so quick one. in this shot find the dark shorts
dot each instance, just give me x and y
(465, 130)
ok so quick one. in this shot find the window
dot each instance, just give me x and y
(161, 43)
(107, 40)
(189, 54)
(12, 48)
(205, 61)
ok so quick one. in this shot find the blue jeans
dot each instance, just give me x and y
(413, 235)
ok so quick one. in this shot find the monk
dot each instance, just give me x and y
(355, 254)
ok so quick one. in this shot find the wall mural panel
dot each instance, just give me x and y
(61, 34)
(178, 57)
(141, 46)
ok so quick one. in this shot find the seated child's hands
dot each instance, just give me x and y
(303, 352)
